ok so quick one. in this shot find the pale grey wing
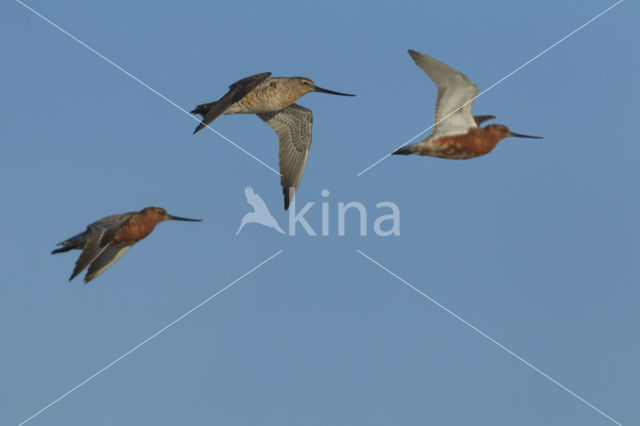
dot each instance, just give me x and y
(99, 235)
(293, 127)
(108, 257)
(254, 200)
(237, 91)
(454, 90)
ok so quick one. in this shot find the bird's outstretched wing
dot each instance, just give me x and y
(254, 200)
(249, 193)
(479, 119)
(99, 236)
(237, 91)
(454, 90)
(293, 127)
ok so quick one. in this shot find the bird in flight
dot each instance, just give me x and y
(273, 100)
(106, 240)
(457, 134)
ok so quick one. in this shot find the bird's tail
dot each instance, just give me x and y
(70, 244)
(209, 112)
(405, 150)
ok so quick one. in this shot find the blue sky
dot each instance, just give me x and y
(536, 244)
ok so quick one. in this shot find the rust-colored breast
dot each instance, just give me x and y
(474, 143)
(134, 231)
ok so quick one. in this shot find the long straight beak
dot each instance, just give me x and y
(171, 217)
(331, 92)
(520, 135)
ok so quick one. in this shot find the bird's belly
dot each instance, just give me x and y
(458, 147)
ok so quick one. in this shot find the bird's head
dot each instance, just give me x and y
(306, 85)
(500, 131)
(158, 214)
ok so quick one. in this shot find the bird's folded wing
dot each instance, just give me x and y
(101, 233)
(454, 91)
(237, 91)
(293, 127)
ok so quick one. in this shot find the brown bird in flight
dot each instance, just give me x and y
(107, 239)
(456, 133)
(272, 99)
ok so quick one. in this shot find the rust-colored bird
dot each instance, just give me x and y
(456, 133)
(272, 99)
(107, 239)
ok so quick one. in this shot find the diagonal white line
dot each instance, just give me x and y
(496, 83)
(491, 339)
(128, 74)
(136, 347)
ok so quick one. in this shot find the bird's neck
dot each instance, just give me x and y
(484, 139)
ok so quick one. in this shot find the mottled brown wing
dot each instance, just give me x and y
(293, 127)
(99, 236)
(237, 91)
